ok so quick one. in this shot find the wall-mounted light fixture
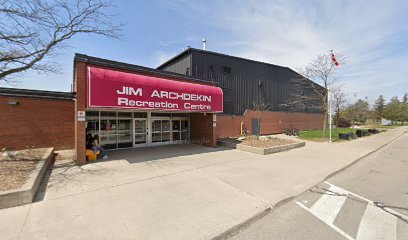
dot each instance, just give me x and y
(13, 102)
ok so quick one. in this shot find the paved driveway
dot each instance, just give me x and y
(174, 192)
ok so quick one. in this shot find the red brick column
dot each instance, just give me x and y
(202, 130)
(80, 105)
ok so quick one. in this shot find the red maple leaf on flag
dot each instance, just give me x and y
(334, 60)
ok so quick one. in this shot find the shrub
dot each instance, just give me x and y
(343, 123)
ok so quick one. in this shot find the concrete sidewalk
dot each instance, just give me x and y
(175, 192)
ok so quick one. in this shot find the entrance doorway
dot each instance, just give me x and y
(123, 129)
(140, 133)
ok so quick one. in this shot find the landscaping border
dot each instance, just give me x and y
(26, 193)
(261, 151)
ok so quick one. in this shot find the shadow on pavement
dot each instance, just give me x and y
(145, 154)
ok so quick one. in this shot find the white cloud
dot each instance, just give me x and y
(291, 33)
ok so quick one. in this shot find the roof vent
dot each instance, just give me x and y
(204, 44)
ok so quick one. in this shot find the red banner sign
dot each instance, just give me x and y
(116, 89)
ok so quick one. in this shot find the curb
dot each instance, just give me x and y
(362, 157)
(259, 150)
(239, 227)
(26, 193)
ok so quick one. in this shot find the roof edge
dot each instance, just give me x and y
(18, 92)
(218, 54)
(136, 68)
(182, 53)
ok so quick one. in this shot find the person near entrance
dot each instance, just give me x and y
(96, 147)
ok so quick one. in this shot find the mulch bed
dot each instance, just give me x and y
(17, 166)
(254, 141)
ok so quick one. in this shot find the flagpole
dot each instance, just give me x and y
(329, 106)
(330, 115)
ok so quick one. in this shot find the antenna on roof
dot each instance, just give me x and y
(204, 44)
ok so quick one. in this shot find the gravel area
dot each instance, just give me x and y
(17, 166)
(261, 142)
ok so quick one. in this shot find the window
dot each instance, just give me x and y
(226, 70)
(140, 115)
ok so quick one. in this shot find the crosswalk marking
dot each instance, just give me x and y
(329, 205)
(392, 211)
(344, 234)
(376, 223)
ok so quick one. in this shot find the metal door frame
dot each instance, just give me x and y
(146, 132)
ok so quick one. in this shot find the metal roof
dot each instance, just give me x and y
(189, 49)
(16, 92)
(136, 68)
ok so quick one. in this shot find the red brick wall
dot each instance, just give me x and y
(36, 122)
(202, 130)
(80, 105)
(229, 125)
(271, 122)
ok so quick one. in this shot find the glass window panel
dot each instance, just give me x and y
(166, 125)
(176, 125)
(185, 136)
(140, 126)
(156, 137)
(124, 124)
(161, 114)
(140, 138)
(108, 137)
(125, 114)
(92, 114)
(165, 136)
(125, 133)
(93, 126)
(156, 126)
(108, 114)
(140, 115)
(184, 125)
(175, 136)
(180, 114)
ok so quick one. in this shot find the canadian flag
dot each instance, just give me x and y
(334, 60)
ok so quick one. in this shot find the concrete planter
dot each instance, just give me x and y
(26, 193)
(261, 151)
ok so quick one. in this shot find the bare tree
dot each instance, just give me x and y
(310, 86)
(339, 100)
(32, 30)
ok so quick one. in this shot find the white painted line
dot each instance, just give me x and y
(377, 224)
(329, 205)
(341, 232)
(386, 209)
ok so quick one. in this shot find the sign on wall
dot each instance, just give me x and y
(81, 116)
(116, 89)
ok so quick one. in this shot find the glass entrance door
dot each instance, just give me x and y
(140, 133)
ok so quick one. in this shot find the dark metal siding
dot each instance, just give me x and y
(249, 82)
(179, 65)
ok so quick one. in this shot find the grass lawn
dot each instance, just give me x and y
(317, 135)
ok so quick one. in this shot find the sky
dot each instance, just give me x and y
(372, 34)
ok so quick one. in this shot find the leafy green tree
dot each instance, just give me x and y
(379, 106)
(393, 110)
(358, 112)
(404, 111)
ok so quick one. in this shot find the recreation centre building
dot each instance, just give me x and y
(195, 97)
